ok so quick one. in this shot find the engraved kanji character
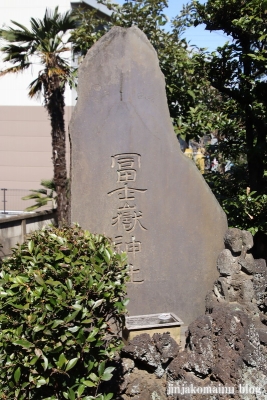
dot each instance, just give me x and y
(117, 243)
(133, 271)
(126, 193)
(128, 218)
(133, 246)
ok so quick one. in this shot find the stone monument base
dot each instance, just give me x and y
(152, 323)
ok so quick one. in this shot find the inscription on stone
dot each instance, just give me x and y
(128, 216)
(131, 182)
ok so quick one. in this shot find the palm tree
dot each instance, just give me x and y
(45, 43)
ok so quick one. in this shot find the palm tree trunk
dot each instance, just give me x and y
(55, 107)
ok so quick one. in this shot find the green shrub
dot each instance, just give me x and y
(59, 292)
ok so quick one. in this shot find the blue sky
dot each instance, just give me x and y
(198, 35)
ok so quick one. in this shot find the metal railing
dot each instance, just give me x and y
(11, 201)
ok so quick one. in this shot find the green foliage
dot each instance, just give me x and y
(244, 209)
(42, 196)
(146, 14)
(59, 292)
(238, 70)
(247, 211)
(90, 27)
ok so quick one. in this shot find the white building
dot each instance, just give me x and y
(25, 139)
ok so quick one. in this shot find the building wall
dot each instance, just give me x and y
(25, 146)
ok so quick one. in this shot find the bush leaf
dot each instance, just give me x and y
(17, 374)
(71, 363)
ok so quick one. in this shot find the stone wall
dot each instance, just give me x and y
(14, 229)
(225, 350)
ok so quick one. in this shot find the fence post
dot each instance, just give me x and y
(23, 230)
(4, 201)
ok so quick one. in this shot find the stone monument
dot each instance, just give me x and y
(131, 182)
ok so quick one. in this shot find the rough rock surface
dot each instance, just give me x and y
(242, 280)
(154, 353)
(226, 349)
(144, 386)
(260, 284)
(222, 348)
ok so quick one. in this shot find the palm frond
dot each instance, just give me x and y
(22, 27)
(17, 35)
(41, 196)
(62, 50)
(15, 69)
(15, 54)
(49, 184)
(38, 29)
(13, 48)
(41, 191)
(52, 45)
(33, 196)
(50, 16)
(43, 39)
(66, 21)
(33, 208)
(40, 201)
(36, 87)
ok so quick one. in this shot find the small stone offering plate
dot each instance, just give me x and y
(165, 318)
(152, 321)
